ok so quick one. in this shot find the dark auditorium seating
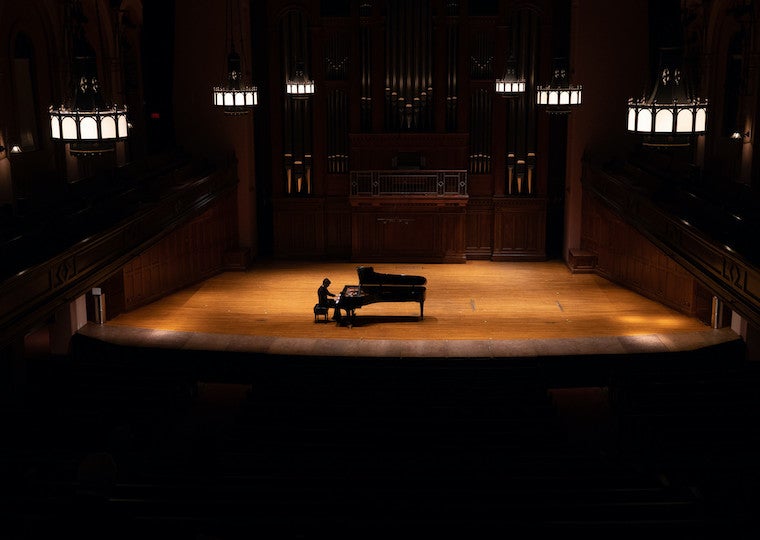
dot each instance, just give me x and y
(368, 448)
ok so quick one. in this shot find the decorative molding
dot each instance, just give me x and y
(63, 273)
(519, 229)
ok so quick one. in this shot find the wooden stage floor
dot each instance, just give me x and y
(477, 309)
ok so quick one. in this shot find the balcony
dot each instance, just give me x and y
(394, 183)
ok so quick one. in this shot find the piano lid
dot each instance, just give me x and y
(368, 276)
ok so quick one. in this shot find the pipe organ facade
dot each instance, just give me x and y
(409, 86)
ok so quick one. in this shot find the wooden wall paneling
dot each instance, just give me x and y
(203, 247)
(113, 288)
(452, 231)
(405, 229)
(480, 185)
(627, 257)
(363, 238)
(479, 228)
(152, 268)
(130, 284)
(192, 252)
(337, 185)
(184, 253)
(519, 229)
(338, 228)
(412, 235)
(299, 227)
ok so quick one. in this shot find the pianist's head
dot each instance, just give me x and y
(326, 282)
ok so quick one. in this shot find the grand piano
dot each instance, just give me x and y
(376, 287)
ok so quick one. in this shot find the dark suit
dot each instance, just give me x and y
(324, 300)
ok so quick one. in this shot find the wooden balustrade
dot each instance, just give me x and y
(443, 183)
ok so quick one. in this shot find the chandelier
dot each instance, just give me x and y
(671, 114)
(510, 85)
(88, 124)
(300, 86)
(235, 97)
(559, 97)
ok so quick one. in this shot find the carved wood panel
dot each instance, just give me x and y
(407, 230)
(519, 229)
(299, 228)
(192, 252)
(479, 234)
(625, 256)
(338, 229)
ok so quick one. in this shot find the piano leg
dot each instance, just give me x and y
(348, 319)
(421, 309)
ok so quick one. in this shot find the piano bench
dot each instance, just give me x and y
(320, 311)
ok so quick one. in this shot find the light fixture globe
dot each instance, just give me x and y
(510, 85)
(89, 125)
(236, 98)
(299, 86)
(559, 97)
(671, 115)
(89, 131)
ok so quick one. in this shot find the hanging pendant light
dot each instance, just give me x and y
(88, 124)
(559, 97)
(510, 85)
(234, 96)
(671, 115)
(300, 86)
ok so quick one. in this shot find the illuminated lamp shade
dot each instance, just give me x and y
(559, 97)
(510, 85)
(671, 115)
(89, 125)
(235, 98)
(89, 131)
(300, 86)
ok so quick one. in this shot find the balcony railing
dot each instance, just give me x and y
(450, 183)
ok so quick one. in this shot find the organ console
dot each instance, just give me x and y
(377, 287)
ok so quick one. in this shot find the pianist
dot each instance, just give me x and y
(325, 298)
